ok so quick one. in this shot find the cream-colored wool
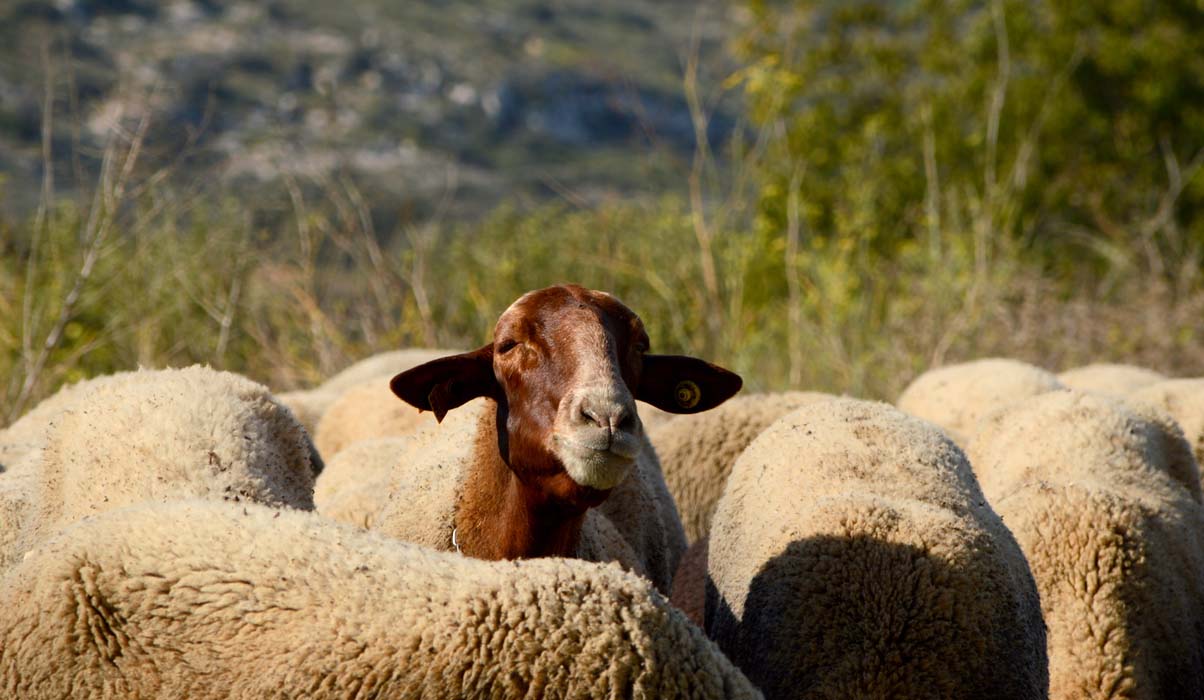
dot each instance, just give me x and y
(29, 431)
(853, 555)
(652, 417)
(697, 451)
(366, 411)
(209, 600)
(1110, 379)
(689, 593)
(157, 435)
(382, 365)
(428, 481)
(1105, 502)
(310, 404)
(307, 405)
(958, 396)
(1183, 399)
(355, 484)
(17, 487)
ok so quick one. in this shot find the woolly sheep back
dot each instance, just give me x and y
(697, 451)
(853, 555)
(172, 600)
(1108, 378)
(956, 397)
(310, 404)
(169, 434)
(1183, 399)
(1105, 501)
(355, 484)
(366, 411)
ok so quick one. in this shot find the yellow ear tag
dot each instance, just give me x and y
(687, 394)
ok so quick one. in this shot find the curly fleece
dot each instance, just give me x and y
(157, 435)
(1183, 399)
(1104, 499)
(697, 451)
(958, 396)
(211, 600)
(853, 556)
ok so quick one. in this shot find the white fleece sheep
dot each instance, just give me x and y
(163, 435)
(637, 525)
(1105, 501)
(1111, 379)
(310, 404)
(210, 600)
(355, 484)
(363, 412)
(1183, 399)
(697, 451)
(956, 397)
(853, 555)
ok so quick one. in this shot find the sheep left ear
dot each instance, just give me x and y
(443, 384)
(680, 384)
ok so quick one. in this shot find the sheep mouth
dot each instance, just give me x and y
(597, 464)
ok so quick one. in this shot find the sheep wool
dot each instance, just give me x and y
(209, 600)
(1110, 379)
(1183, 399)
(697, 451)
(1104, 499)
(958, 396)
(689, 593)
(310, 404)
(355, 484)
(428, 480)
(853, 555)
(157, 435)
(365, 411)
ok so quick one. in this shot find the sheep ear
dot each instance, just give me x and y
(447, 383)
(680, 384)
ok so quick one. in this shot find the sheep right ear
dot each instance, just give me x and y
(443, 384)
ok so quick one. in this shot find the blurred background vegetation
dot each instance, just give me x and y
(821, 194)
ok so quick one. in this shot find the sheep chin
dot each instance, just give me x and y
(599, 469)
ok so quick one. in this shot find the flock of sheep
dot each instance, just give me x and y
(1002, 533)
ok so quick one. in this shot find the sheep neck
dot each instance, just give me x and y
(501, 517)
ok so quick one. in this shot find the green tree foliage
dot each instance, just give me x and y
(1054, 121)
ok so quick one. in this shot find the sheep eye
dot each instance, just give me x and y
(506, 346)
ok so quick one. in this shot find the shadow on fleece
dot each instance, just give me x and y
(859, 634)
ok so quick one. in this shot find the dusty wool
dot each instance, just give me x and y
(159, 435)
(956, 397)
(211, 600)
(853, 555)
(1104, 499)
(1183, 399)
(697, 451)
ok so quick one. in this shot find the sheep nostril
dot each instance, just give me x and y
(590, 415)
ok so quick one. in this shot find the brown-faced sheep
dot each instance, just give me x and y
(559, 440)
(956, 397)
(1105, 502)
(208, 600)
(853, 556)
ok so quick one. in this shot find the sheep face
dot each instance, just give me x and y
(565, 367)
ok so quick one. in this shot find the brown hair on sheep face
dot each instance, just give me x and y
(563, 371)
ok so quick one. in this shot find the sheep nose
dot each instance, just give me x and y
(612, 416)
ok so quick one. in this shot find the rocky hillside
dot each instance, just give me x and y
(487, 101)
